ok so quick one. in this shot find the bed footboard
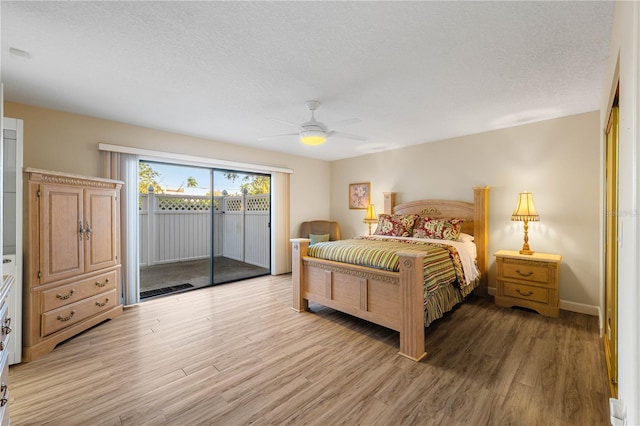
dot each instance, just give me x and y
(391, 299)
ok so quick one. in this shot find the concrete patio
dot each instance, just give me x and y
(196, 273)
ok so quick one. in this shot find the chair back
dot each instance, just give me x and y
(319, 227)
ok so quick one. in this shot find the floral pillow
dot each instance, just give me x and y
(395, 225)
(438, 228)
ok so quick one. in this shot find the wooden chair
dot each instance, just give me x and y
(319, 227)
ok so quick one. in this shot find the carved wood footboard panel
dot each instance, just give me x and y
(391, 299)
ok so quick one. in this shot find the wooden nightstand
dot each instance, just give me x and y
(528, 280)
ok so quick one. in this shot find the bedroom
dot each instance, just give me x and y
(509, 160)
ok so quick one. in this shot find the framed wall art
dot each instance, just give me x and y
(359, 195)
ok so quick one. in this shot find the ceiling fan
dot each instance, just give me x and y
(313, 132)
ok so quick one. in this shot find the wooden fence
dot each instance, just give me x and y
(176, 228)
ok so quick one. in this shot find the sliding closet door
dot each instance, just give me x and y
(611, 253)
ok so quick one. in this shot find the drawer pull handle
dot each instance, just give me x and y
(103, 304)
(6, 329)
(99, 284)
(65, 319)
(3, 402)
(522, 293)
(61, 297)
(528, 274)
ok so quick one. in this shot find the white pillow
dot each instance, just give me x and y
(465, 238)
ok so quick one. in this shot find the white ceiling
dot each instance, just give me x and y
(413, 72)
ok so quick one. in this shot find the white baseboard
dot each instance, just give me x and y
(568, 306)
(580, 308)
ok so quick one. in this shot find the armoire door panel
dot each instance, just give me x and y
(100, 225)
(62, 253)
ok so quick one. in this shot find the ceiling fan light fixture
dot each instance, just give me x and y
(313, 137)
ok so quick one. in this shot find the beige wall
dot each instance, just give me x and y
(55, 140)
(557, 160)
(623, 64)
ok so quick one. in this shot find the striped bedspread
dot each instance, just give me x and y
(443, 273)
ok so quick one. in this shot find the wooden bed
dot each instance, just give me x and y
(390, 299)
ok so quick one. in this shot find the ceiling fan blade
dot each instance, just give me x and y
(278, 136)
(335, 134)
(297, 126)
(346, 122)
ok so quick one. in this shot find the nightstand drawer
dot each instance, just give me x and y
(525, 292)
(528, 271)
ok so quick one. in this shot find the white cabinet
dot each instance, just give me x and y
(12, 228)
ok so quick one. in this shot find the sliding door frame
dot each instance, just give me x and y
(280, 197)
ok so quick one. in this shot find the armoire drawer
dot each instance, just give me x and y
(66, 316)
(70, 293)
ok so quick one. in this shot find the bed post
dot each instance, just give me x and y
(299, 249)
(389, 202)
(481, 234)
(411, 306)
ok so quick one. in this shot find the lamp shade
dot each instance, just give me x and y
(313, 137)
(525, 210)
(371, 214)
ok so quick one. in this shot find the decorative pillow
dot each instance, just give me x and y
(395, 225)
(318, 238)
(465, 238)
(438, 228)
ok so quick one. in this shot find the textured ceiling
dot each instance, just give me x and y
(413, 72)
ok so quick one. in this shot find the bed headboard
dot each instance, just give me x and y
(440, 208)
(476, 218)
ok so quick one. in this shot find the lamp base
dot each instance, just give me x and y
(525, 246)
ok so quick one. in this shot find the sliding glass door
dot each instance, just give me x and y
(241, 222)
(201, 226)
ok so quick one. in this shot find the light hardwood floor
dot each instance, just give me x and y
(236, 354)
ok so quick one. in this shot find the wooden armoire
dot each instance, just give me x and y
(72, 257)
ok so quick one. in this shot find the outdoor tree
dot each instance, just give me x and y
(254, 184)
(192, 182)
(257, 185)
(148, 177)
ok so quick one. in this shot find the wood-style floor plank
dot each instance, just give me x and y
(237, 354)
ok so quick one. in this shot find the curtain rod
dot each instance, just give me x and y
(150, 154)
